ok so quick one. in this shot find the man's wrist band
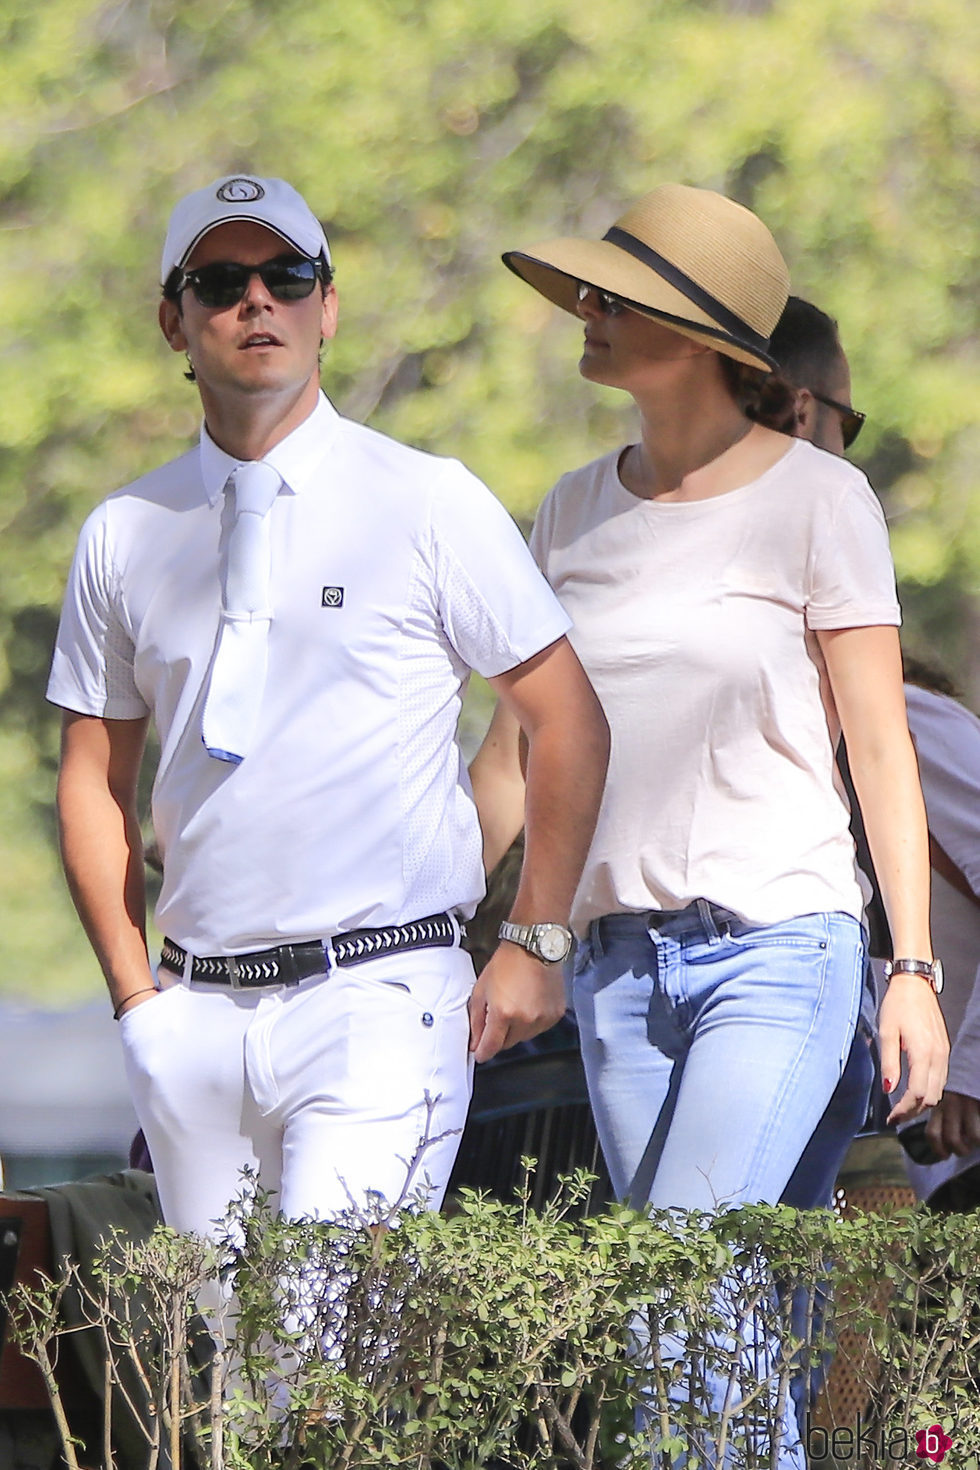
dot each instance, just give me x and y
(132, 996)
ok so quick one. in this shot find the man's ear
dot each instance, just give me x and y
(172, 324)
(328, 319)
(804, 414)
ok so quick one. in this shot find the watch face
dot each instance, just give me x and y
(552, 942)
(937, 975)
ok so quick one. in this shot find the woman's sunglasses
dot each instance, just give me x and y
(609, 304)
(224, 282)
(850, 420)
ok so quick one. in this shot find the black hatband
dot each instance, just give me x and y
(740, 331)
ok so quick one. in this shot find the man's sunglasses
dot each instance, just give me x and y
(224, 282)
(850, 420)
(609, 304)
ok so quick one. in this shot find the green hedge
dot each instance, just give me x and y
(491, 1335)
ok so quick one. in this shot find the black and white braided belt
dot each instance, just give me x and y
(291, 963)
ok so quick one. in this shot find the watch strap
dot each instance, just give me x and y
(929, 970)
(528, 936)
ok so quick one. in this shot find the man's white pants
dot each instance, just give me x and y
(324, 1090)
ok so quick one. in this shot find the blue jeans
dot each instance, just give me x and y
(711, 1050)
(811, 1187)
(712, 1047)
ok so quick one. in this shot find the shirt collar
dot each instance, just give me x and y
(297, 457)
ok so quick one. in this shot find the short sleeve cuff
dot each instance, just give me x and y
(884, 615)
(117, 708)
(546, 632)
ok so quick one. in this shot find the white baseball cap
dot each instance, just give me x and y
(269, 202)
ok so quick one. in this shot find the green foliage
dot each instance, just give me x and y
(494, 1335)
(430, 139)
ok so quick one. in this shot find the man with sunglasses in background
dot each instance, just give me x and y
(296, 603)
(806, 345)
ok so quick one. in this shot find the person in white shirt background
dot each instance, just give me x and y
(943, 1152)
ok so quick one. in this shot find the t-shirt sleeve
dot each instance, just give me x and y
(964, 1054)
(542, 531)
(947, 743)
(496, 607)
(92, 668)
(851, 580)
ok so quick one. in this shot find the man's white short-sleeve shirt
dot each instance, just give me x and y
(393, 574)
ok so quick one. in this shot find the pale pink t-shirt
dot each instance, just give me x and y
(696, 622)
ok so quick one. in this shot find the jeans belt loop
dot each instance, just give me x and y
(707, 920)
(594, 938)
(710, 923)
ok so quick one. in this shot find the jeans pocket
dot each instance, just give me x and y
(810, 934)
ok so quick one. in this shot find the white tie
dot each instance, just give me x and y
(231, 705)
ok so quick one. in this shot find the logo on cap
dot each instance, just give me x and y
(240, 191)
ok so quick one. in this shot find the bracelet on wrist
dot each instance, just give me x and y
(931, 971)
(120, 1008)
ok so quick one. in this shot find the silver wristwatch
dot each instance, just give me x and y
(548, 942)
(930, 970)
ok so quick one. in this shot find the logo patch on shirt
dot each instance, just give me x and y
(332, 597)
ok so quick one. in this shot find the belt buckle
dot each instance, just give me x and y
(234, 979)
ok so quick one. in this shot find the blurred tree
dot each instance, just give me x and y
(429, 139)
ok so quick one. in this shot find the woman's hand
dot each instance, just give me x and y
(910, 1021)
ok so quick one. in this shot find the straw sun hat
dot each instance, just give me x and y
(689, 257)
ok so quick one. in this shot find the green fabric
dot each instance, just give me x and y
(83, 1215)
(874, 1161)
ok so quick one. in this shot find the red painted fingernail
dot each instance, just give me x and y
(888, 1084)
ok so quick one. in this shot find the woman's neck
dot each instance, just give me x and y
(695, 448)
